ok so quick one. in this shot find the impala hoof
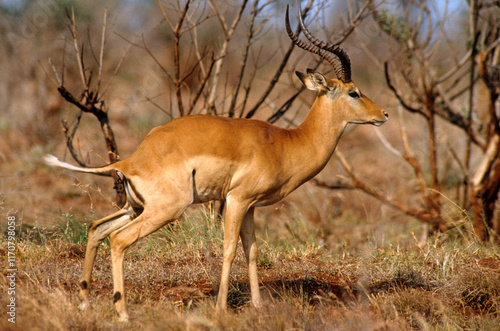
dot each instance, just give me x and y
(123, 318)
(84, 305)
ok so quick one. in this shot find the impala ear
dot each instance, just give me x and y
(314, 80)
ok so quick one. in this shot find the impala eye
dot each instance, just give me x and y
(354, 94)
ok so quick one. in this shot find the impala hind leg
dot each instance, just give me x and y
(123, 238)
(98, 231)
(247, 234)
(235, 213)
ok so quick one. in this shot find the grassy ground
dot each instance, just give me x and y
(171, 279)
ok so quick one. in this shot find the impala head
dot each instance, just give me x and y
(355, 106)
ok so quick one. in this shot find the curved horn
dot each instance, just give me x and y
(341, 63)
(295, 38)
(345, 62)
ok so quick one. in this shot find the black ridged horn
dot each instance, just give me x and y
(335, 55)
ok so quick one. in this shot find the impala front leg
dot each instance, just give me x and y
(247, 234)
(235, 213)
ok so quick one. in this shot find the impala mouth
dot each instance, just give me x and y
(379, 123)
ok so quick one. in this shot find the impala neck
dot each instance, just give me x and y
(319, 134)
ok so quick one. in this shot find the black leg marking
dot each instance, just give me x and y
(136, 199)
(84, 285)
(117, 297)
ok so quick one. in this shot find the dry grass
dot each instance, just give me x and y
(172, 280)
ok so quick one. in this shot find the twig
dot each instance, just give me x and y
(387, 144)
(286, 105)
(70, 137)
(353, 22)
(410, 157)
(393, 202)
(159, 107)
(396, 93)
(145, 47)
(338, 185)
(244, 58)
(74, 32)
(115, 72)
(196, 42)
(202, 85)
(177, 36)
(56, 75)
(101, 55)
(228, 33)
(487, 161)
(280, 69)
(459, 162)
(455, 69)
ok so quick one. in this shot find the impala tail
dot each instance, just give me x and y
(53, 161)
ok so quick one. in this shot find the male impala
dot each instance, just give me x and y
(247, 163)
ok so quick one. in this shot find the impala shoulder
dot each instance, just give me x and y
(267, 134)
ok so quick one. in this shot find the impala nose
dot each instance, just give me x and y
(380, 122)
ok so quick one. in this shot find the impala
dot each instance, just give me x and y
(248, 163)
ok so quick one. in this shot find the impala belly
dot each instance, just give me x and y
(211, 178)
(216, 178)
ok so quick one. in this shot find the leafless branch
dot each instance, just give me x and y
(90, 100)
(337, 185)
(56, 75)
(286, 105)
(354, 21)
(150, 100)
(397, 94)
(115, 72)
(255, 11)
(202, 85)
(228, 33)
(410, 158)
(391, 201)
(177, 32)
(101, 54)
(78, 54)
(450, 73)
(387, 144)
(158, 62)
(196, 45)
(70, 137)
(280, 69)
